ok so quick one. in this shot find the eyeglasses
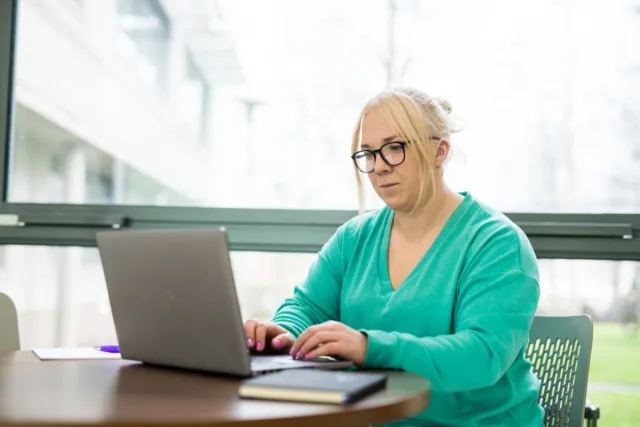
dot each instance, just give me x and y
(392, 153)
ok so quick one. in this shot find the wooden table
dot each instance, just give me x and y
(126, 393)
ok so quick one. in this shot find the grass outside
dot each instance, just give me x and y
(617, 410)
(614, 359)
(615, 355)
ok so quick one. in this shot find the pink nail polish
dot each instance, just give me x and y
(276, 343)
(250, 343)
(299, 355)
(291, 352)
(259, 346)
(308, 356)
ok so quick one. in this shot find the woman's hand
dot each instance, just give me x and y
(331, 339)
(259, 334)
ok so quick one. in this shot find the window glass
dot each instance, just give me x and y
(270, 93)
(195, 93)
(144, 39)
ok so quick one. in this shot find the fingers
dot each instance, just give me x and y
(282, 341)
(261, 336)
(249, 332)
(331, 349)
(309, 332)
(256, 334)
(320, 338)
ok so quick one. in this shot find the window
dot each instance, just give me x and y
(550, 114)
(76, 5)
(53, 165)
(144, 38)
(194, 105)
(66, 302)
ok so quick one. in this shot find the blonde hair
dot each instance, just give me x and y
(416, 117)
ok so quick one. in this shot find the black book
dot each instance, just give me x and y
(313, 385)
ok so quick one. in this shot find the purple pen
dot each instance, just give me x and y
(109, 348)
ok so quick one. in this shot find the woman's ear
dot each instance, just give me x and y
(442, 152)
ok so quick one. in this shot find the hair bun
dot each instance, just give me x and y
(446, 105)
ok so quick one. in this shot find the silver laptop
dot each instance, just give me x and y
(174, 303)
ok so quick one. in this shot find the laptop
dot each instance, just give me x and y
(174, 303)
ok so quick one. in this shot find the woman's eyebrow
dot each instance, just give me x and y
(385, 140)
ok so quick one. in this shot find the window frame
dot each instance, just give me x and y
(553, 235)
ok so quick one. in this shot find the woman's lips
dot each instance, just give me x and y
(388, 186)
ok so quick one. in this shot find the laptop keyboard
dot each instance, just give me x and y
(262, 360)
(287, 361)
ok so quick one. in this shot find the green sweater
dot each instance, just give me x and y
(460, 319)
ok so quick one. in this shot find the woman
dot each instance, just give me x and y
(435, 283)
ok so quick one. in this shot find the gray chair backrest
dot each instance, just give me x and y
(560, 352)
(9, 335)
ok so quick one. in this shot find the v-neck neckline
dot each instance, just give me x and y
(383, 253)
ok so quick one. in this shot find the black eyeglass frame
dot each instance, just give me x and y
(374, 153)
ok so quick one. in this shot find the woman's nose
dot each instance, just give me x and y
(380, 165)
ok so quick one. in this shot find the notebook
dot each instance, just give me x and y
(311, 385)
(73, 353)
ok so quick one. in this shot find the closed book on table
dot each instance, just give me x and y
(312, 385)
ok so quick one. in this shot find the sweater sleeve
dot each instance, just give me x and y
(316, 299)
(496, 304)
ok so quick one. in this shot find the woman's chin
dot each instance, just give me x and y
(395, 203)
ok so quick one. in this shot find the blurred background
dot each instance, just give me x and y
(251, 104)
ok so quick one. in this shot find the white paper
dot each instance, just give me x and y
(73, 353)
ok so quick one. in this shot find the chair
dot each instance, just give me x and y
(9, 336)
(560, 352)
